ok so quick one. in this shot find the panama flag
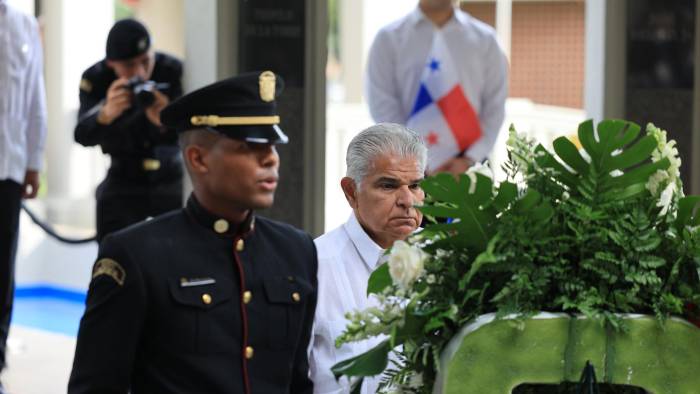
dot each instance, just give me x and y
(442, 114)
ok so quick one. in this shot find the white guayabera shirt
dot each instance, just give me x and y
(399, 55)
(22, 97)
(346, 258)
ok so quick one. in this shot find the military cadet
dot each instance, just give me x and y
(210, 298)
(121, 98)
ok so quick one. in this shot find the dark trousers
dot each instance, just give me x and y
(10, 202)
(123, 202)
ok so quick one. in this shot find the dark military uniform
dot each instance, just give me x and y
(145, 176)
(190, 303)
(185, 304)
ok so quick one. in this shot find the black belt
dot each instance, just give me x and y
(133, 166)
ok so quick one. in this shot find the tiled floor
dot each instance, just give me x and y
(42, 336)
(38, 361)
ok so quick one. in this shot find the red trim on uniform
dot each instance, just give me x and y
(244, 317)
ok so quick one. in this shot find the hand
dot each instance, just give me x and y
(153, 112)
(118, 100)
(30, 187)
(455, 166)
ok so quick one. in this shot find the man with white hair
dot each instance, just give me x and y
(385, 164)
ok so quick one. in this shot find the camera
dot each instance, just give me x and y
(143, 90)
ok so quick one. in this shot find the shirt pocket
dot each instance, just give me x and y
(203, 318)
(286, 296)
(18, 52)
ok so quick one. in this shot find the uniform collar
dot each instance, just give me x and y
(417, 16)
(369, 251)
(217, 224)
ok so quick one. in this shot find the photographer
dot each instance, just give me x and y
(120, 102)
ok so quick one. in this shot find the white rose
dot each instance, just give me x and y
(405, 264)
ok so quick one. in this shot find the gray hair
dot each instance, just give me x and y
(380, 139)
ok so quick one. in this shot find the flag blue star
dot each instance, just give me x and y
(434, 64)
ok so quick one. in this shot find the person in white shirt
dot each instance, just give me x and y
(385, 164)
(22, 134)
(398, 57)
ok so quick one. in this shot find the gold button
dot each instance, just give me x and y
(296, 297)
(247, 296)
(249, 352)
(221, 226)
(151, 164)
(240, 245)
(206, 298)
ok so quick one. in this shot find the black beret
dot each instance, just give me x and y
(127, 39)
(241, 107)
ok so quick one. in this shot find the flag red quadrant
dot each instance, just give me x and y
(459, 114)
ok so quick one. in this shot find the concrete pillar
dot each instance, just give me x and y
(605, 61)
(350, 23)
(504, 24)
(71, 46)
(220, 42)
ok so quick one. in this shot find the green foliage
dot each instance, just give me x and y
(597, 231)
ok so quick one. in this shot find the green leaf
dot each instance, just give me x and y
(379, 280)
(586, 135)
(638, 175)
(568, 152)
(633, 155)
(688, 212)
(471, 227)
(411, 328)
(370, 363)
(507, 193)
(547, 160)
(438, 211)
(484, 258)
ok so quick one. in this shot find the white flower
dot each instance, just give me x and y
(405, 264)
(666, 198)
(656, 182)
(430, 279)
(667, 180)
(616, 173)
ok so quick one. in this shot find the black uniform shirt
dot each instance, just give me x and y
(180, 304)
(131, 135)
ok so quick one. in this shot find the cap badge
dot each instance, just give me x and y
(267, 86)
(142, 44)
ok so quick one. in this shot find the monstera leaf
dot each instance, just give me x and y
(472, 206)
(615, 149)
(464, 203)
